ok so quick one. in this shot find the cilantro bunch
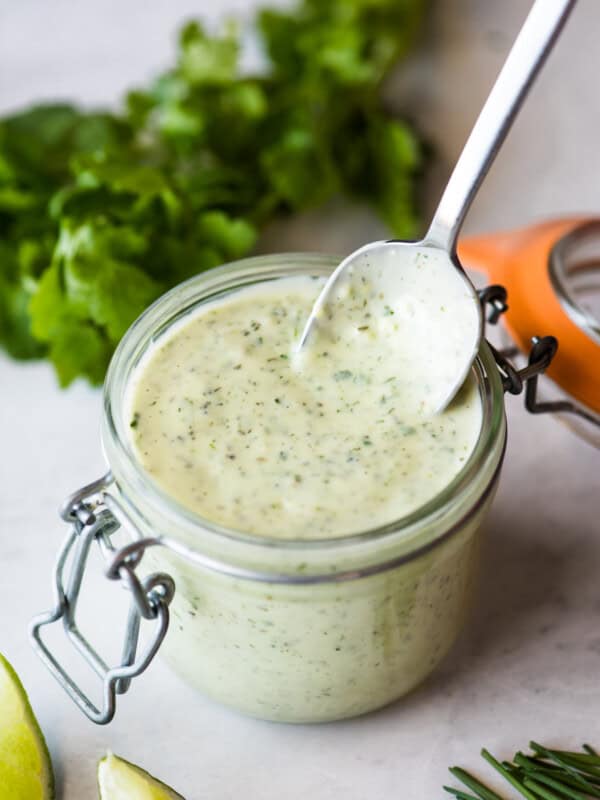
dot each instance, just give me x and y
(100, 213)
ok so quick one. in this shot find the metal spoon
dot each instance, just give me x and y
(427, 273)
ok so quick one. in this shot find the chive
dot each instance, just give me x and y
(511, 767)
(551, 754)
(508, 775)
(585, 758)
(460, 795)
(529, 762)
(544, 775)
(546, 794)
(570, 767)
(555, 784)
(472, 783)
(591, 772)
(554, 773)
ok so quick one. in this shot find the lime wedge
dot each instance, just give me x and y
(25, 766)
(120, 780)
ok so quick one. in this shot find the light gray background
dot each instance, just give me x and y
(528, 664)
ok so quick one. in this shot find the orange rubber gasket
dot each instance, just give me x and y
(519, 261)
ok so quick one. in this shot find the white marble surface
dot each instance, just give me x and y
(528, 663)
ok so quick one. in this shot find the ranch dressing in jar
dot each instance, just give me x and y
(283, 463)
(236, 426)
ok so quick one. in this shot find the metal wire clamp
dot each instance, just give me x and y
(93, 522)
(542, 352)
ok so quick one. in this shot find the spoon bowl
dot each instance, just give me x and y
(418, 294)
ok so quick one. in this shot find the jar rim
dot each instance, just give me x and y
(570, 256)
(205, 287)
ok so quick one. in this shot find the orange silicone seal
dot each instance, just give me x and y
(519, 260)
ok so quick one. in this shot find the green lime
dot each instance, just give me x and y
(25, 766)
(120, 780)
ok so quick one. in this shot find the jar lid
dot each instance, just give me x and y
(551, 272)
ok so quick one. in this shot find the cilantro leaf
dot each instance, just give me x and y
(79, 349)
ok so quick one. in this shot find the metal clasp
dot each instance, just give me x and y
(93, 522)
(542, 352)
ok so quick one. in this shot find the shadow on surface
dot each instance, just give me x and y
(536, 582)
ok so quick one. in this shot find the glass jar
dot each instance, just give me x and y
(286, 630)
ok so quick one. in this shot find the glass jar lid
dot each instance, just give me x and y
(574, 269)
(551, 272)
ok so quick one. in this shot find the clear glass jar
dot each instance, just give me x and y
(304, 631)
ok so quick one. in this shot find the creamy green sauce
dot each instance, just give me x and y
(235, 425)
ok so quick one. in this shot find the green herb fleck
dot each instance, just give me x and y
(342, 375)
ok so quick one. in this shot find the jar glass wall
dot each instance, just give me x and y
(304, 630)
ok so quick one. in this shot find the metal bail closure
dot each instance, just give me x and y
(543, 349)
(93, 522)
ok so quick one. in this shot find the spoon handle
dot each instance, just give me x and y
(528, 53)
